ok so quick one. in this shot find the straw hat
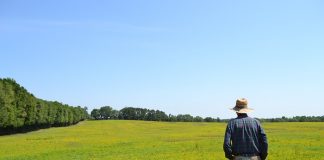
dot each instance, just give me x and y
(241, 106)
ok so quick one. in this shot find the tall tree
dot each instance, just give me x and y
(95, 113)
(20, 110)
(106, 112)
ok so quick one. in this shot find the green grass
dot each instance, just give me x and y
(156, 140)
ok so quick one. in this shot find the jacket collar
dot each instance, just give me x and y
(242, 115)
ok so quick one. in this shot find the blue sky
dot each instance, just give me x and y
(193, 57)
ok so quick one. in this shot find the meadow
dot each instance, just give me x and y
(137, 140)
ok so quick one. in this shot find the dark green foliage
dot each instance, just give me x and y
(172, 118)
(198, 119)
(21, 111)
(209, 119)
(185, 118)
(131, 113)
(95, 114)
(106, 112)
(295, 119)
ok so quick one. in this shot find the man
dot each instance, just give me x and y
(244, 139)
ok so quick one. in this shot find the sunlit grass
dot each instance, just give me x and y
(156, 140)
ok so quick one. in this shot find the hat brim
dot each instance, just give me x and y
(241, 110)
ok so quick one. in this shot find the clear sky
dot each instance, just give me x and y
(181, 56)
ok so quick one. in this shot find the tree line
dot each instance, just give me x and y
(132, 113)
(21, 111)
(294, 119)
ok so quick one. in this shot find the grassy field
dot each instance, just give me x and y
(123, 140)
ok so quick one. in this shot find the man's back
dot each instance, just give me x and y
(245, 137)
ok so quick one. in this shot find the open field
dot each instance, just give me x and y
(156, 140)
